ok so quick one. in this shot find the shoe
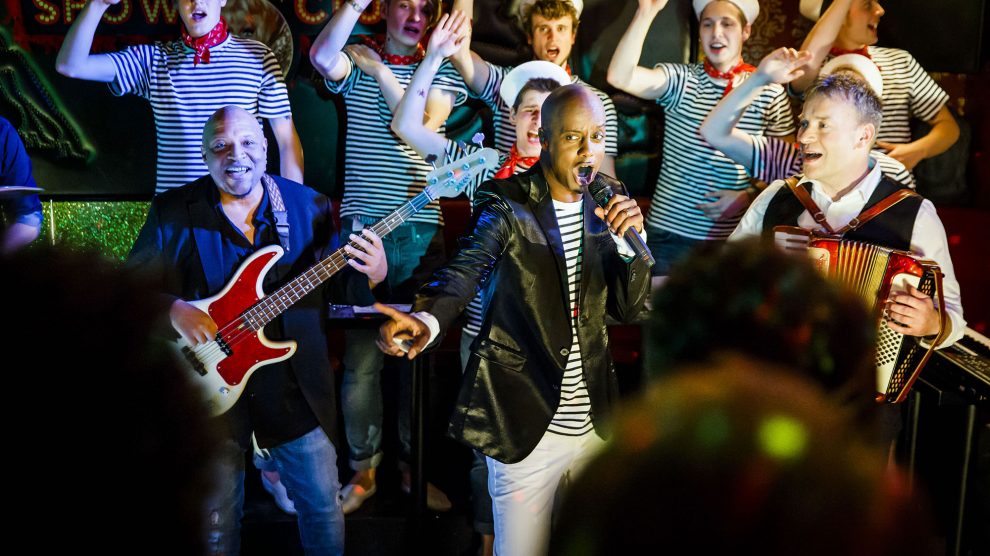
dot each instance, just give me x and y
(352, 496)
(278, 492)
(436, 500)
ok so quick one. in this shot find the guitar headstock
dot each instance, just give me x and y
(450, 180)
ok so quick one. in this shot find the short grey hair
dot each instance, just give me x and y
(852, 89)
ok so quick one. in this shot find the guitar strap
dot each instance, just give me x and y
(278, 209)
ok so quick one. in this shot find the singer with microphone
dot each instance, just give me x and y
(539, 383)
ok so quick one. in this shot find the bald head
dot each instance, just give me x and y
(569, 98)
(229, 115)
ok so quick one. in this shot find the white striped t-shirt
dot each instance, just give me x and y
(573, 415)
(380, 171)
(241, 72)
(690, 167)
(505, 131)
(908, 92)
(775, 159)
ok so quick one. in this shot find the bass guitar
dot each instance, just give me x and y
(242, 309)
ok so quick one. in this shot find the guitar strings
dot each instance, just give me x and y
(336, 261)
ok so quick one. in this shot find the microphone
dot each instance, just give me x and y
(601, 188)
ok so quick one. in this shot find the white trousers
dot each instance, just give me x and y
(523, 493)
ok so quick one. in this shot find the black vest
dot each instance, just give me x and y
(892, 228)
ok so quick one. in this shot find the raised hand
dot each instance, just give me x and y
(449, 33)
(783, 65)
(653, 6)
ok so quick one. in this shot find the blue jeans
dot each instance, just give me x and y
(668, 248)
(308, 469)
(484, 520)
(413, 252)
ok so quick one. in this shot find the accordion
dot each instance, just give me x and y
(876, 273)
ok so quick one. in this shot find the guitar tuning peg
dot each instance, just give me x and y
(463, 146)
(432, 159)
(478, 139)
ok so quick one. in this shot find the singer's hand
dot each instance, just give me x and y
(620, 213)
(401, 327)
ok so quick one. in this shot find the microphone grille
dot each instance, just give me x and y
(600, 190)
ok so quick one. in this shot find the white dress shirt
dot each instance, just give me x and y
(927, 237)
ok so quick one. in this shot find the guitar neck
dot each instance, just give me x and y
(273, 305)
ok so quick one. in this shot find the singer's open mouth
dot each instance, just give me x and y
(584, 174)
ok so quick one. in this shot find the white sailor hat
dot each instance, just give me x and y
(749, 8)
(861, 65)
(811, 9)
(525, 4)
(518, 77)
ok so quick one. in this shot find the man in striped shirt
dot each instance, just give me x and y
(540, 382)
(850, 26)
(701, 193)
(551, 29)
(381, 173)
(525, 88)
(186, 81)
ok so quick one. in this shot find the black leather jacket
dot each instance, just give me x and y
(511, 386)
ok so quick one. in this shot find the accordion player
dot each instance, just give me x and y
(843, 193)
(863, 254)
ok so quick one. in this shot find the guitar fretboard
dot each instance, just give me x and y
(266, 309)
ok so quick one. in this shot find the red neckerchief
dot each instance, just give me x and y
(201, 46)
(567, 68)
(508, 168)
(862, 51)
(728, 75)
(377, 43)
